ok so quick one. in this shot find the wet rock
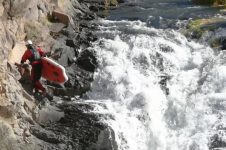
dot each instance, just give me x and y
(217, 142)
(85, 8)
(79, 129)
(91, 37)
(79, 79)
(44, 135)
(82, 38)
(104, 141)
(89, 17)
(87, 60)
(94, 8)
(100, 2)
(223, 44)
(121, 1)
(49, 114)
(73, 43)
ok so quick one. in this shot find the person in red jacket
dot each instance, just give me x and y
(34, 56)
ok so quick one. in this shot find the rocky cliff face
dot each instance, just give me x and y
(61, 27)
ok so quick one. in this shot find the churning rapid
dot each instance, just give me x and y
(158, 90)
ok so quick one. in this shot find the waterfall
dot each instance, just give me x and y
(156, 89)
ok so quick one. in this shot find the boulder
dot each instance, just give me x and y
(223, 44)
(64, 54)
(104, 141)
(61, 17)
(87, 60)
(79, 79)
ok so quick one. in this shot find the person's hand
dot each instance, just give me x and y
(21, 62)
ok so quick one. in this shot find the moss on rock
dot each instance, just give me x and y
(199, 26)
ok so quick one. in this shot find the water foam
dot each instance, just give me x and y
(132, 61)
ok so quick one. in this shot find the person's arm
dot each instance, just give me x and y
(24, 57)
(41, 52)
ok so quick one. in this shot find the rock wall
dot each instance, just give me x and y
(61, 27)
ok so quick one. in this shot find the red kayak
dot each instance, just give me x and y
(53, 71)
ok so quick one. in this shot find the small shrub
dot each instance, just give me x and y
(33, 30)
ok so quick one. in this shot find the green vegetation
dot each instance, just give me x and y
(199, 26)
(195, 24)
(34, 29)
(110, 3)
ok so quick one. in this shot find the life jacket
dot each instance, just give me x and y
(35, 55)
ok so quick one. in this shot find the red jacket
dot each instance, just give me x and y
(28, 54)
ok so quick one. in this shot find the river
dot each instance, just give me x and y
(157, 89)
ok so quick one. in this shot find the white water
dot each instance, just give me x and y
(133, 59)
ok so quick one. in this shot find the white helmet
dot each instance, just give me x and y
(29, 42)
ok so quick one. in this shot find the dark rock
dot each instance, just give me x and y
(223, 44)
(89, 17)
(87, 60)
(73, 44)
(85, 24)
(79, 129)
(79, 79)
(163, 83)
(44, 135)
(104, 142)
(217, 142)
(83, 39)
(85, 8)
(70, 43)
(94, 8)
(100, 2)
(92, 37)
(121, 1)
